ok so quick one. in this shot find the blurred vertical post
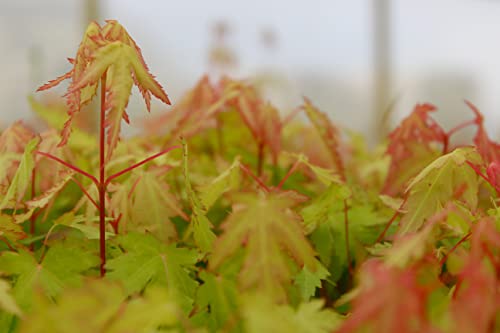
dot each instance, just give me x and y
(91, 13)
(382, 66)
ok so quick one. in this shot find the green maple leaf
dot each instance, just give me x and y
(437, 184)
(102, 306)
(272, 234)
(307, 281)
(200, 225)
(22, 177)
(324, 217)
(7, 301)
(261, 315)
(219, 294)
(9, 229)
(152, 206)
(147, 261)
(61, 267)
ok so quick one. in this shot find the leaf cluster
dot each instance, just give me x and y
(260, 223)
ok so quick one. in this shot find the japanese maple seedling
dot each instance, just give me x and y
(108, 57)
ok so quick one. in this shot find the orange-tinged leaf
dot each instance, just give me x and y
(194, 112)
(488, 149)
(153, 205)
(262, 119)
(475, 304)
(328, 132)
(15, 138)
(108, 52)
(271, 233)
(412, 147)
(9, 229)
(388, 300)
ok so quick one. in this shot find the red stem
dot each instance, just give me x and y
(130, 168)
(260, 158)
(6, 241)
(102, 179)
(391, 221)
(257, 179)
(289, 173)
(70, 166)
(86, 193)
(441, 263)
(478, 171)
(453, 131)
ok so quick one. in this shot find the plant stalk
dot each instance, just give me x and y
(102, 179)
(260, 158)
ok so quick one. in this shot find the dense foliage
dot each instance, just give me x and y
(226, 216)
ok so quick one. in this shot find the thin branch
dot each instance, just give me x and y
(289, 173)
(391, 221)
(257, 179)
(441, 263)
(87, 194)
(70, 166)
(4, 239)
(102, 178)
(455, 129)
(132, 167)
(460, 126)
(260, 158)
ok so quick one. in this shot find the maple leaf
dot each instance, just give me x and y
(411, 147)
(15, 137)
(146, 261)
(152, 206)
(70, 220)
(194, 112)
(107, 52)
(7, 302)
(261, 315)
(10, 229)
(475, 305)
(488, 149)
(307, 281)
(271, 233)
(389, 300)
(200, 225)
(262, 119)
(324, 218)
(220, 295)
(22, 177)
(328, 132)
(117, 314)
(61, 267)
(437, 184)
(120, 61)
(227, 180)
(326, 176)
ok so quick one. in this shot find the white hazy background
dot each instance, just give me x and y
(441, 51)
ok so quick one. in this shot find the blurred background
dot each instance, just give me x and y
(355, 59)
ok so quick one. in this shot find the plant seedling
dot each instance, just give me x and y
(110, 57)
